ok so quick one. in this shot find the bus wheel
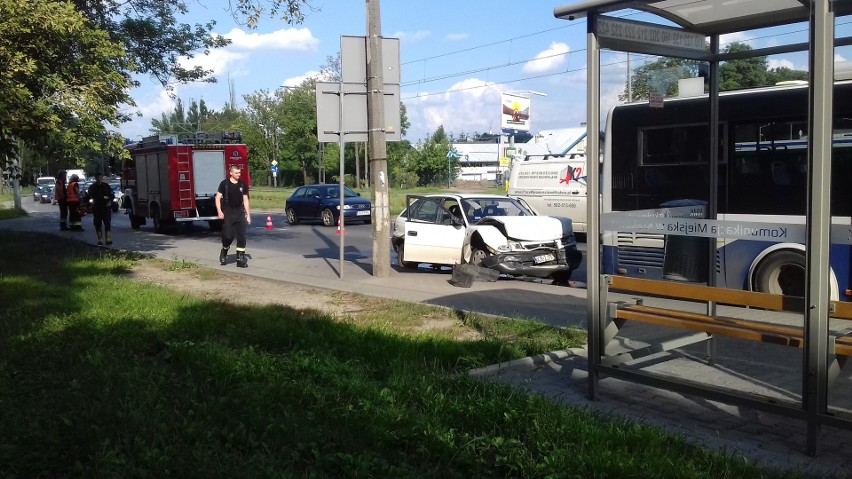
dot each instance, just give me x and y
(782, 272)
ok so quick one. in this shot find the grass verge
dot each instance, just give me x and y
(105, 377)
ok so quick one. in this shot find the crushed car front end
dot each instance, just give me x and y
(536, 246)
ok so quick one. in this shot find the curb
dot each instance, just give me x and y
(537, 361)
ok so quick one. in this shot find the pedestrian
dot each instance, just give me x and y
(59, 196)
(101, 197)
(72, 200)
(232, 205)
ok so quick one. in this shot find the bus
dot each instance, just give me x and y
(656, 181)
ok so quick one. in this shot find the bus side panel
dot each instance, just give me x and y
(840, 258)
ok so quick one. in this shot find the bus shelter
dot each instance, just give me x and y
(818, 333)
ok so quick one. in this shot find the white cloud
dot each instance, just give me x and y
(297, 80)
(412, 37)
(219, 60)
(781, 63)
(548, 60)
(728, 38)
(469, 106)
(456, 37)
(291, 39)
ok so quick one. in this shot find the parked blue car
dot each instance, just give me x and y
(322, 202)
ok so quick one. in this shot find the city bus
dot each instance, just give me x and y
(656, 211)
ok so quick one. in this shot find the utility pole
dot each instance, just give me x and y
(378, 147)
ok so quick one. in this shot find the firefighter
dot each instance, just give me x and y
(59, 196)
(232, 205)
(101, 197)
(72, 200)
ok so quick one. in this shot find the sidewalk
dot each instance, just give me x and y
(772, 439)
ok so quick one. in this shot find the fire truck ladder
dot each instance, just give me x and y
(185, 195)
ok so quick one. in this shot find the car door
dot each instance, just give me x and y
(312, 202)
(431, 233)
(297, 201)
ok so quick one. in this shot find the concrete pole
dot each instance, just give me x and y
(378, 147)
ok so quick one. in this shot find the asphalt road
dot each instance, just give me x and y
(308, 253)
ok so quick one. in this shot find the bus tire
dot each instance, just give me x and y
(782, 272)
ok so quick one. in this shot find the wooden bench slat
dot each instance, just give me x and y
(709, 327)
(742, 323)
(697, 292)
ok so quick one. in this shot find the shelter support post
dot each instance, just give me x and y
(593, 242)
(815, 390)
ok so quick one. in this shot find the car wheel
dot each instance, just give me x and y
(477, 255)
(291, 217)
(400, 252)
(327, 217)
(215, 225)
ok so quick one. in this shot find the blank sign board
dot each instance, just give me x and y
(354, 112)
(353, 59)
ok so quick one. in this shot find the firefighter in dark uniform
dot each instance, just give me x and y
(72, 200)
(100, 198)
(59, 196)
(232, 205)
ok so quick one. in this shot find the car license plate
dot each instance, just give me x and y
(543, 258)
(363, 213)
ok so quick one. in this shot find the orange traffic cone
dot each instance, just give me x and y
(268, 222)
(338, 227)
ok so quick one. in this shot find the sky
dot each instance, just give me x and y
(456, 58)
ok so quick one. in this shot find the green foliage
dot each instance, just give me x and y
(428, 160)
(62, 78)
(662, 75)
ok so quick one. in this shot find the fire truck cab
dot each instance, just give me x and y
(174, 178)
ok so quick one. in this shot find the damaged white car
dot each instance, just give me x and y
(492, 231)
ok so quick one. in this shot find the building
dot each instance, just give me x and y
(481, 162)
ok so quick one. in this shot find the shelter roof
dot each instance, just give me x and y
(707, 16)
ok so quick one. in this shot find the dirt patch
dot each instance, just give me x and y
(211, 284)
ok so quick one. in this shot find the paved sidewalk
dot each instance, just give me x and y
(769, 438)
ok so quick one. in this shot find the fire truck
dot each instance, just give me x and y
(173, 178)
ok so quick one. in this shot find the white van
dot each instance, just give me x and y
(552, 185)
(81, 174)
(46, 181)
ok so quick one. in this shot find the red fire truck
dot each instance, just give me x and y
(174, 178)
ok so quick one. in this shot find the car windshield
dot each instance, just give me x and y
(477, 208)
(334, 192)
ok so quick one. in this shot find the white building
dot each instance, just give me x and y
(481, 161)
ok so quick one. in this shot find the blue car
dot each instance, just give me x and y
(322, 202)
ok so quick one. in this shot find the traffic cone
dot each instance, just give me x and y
(338, 227)
(268, 222)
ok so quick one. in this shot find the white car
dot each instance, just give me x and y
(492, 231)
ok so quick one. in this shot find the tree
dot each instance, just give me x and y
(61, 79)
(428, 160)
(155, 40)
(299, 122)
(662, 75)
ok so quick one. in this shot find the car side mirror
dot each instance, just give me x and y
(457, 221)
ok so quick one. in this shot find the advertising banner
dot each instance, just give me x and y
(515, 113)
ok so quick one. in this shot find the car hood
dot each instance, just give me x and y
(531, 228)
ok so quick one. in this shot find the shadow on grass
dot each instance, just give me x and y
(138, 381)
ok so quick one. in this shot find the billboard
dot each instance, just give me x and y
(515, 113)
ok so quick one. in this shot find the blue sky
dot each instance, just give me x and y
(456, 59)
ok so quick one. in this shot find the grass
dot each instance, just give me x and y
(10, 213)
(263, 198)
(105, 377)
